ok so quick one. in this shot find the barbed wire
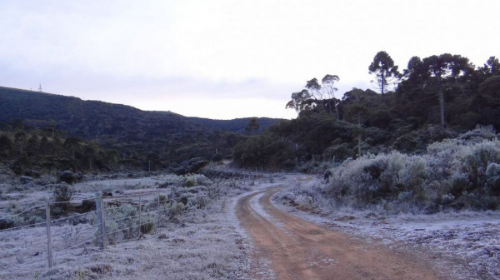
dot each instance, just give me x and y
(122, 229)
(77, 215)
(53, 202)
(65, 231)
(44, 223)
(23, 226)
(72, 216)
(59, 231)
(76, 245)
(57, 235)
(18, 214)
(34, 244)
(132, 195)
(135, 217)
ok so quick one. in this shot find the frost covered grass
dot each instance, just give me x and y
(197, 238)
(200, 245)
(443, 204)
(455, 174)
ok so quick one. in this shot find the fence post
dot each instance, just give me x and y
(140, 218)
(158, 211)
(101, 221)
(49, 237)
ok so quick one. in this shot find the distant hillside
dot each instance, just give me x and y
(94, 119)
(131, 131)
(236, 125)
(87, 119)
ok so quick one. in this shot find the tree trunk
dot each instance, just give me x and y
(359, 136)
(382, 84)
(337, 111)
(441, 105)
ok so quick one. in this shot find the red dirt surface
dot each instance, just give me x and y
(298, 249)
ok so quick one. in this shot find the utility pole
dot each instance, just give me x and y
(40, 88)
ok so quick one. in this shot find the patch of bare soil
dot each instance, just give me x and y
(298, 249)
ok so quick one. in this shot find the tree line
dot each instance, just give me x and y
(32, 152)
(433, 98)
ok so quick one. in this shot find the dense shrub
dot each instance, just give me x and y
(69, 177)
(264, 151)
(62, 194)
(148, 225)
(453, 174)
(122, 222)
(196, 180)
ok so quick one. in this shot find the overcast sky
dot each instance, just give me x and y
(226, 59)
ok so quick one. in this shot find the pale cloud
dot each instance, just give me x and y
(192, 56)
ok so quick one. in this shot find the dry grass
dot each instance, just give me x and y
(199, 243)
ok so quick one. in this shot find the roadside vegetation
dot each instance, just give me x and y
(455, 174)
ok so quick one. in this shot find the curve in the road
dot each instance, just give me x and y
(299, 249)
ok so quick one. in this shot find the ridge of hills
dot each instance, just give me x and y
(137, 136)
(93, 119)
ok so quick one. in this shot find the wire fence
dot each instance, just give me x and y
(61, 235)
(36, 247)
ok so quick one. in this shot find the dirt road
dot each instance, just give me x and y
(298, 249)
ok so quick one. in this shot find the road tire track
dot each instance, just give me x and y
(298, 249)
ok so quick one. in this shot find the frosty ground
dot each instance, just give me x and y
(196, 244)
(209, 243)
(465, 244)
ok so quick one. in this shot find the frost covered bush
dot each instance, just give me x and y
(493, 175)
(196, 180)
(480, 133)
(371, 180)
(148, 225)
(162, 198)
(176, 208)
(462, 167)
(456, 174)
(190, 182)
(309, 197)
(121, 222)
(199, 201)
(62, 194)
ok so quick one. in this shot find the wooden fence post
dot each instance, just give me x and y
(140, 212)
(49, 237)
(158, 212)
(101, 221)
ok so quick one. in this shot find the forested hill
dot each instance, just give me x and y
(164, 138)
(235, 125)
(86, 119)
(95, 119)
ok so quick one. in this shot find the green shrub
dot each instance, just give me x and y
(147, 226)
(163, 198)
(62, 194)
(190, 182)
(123, 219)
(176, 208)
